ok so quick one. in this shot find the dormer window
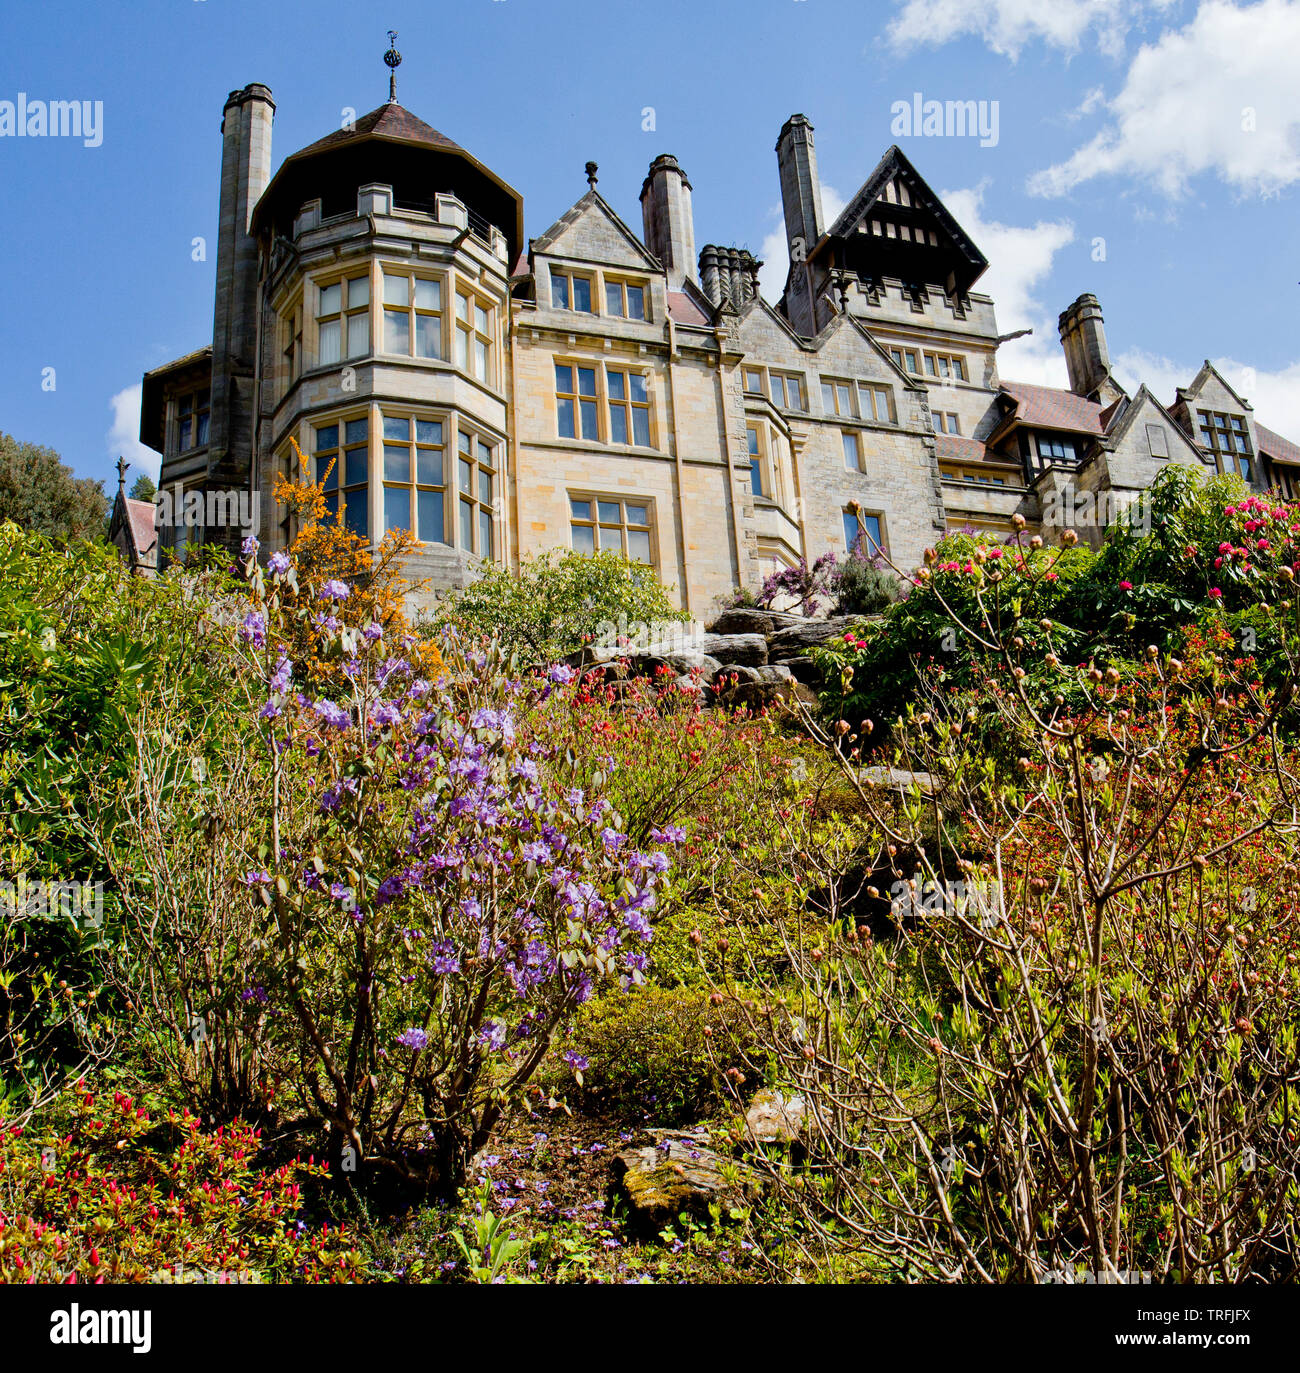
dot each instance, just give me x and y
(624, 299)
(570, 291)
(1228, 439)
(1055, 448)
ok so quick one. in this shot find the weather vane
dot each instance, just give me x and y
(394, 60)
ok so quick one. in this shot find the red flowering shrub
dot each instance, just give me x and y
(99, 1203)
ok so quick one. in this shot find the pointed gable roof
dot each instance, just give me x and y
(1209, 372)
(689, 305)
(593, 201)
(896, 197)
(132, 528)
(1117, 425)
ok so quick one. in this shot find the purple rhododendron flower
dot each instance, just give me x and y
(558, 672)
(283, 672)
(575, 1061)
(493, 1034)
(257, 878)
(670, 834)
(332, 714)
(443, 958)
(414, 1038)
(249, 545)
(335, 590)
(386, 713)
(253, 629)
(279, 563)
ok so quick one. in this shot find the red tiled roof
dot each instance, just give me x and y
(1277, 448)
(955, 446)
(143, 533)
(1050, 408)
(683, 309)
(388, 121)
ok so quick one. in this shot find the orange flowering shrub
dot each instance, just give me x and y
(326, 550)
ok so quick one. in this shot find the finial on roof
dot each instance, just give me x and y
(394, 60)
(122, 466)
(591, 175)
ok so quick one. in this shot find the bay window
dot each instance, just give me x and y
(474, 337)
(412, 315)
(343, 320)
(476, 492)
(344, 471)
(414, 477)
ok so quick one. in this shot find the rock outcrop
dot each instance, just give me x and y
(775, 1117)
(680, 1173)
(752, 657)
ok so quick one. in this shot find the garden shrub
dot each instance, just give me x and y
(1186, 551)
(82, 644)
(428, 889)
(658, 1054)
(557, 602)
(101, 1200)
(713, 781)
(862, 585)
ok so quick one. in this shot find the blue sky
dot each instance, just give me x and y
(1167, 129)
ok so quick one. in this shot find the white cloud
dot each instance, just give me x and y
(124, 436)
(1275, 396)
(1007, 26)
(1219, 95)
(1095, 98)
(775, 253)
(1020, 260)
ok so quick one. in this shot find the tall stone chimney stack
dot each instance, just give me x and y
(669, 220)
(1083, 337)
(801, 192)
(801, 200)
(245, 172)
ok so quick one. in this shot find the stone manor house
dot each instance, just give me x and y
(592, 388)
